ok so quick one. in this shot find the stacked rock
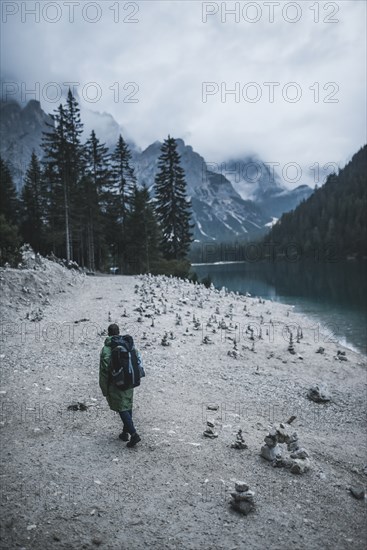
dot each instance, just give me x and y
(240, 442)
(164, 341)
(209, 431)
(291, 346)
(242, 498)
(234, 353)
(298, 460)
(271, 450)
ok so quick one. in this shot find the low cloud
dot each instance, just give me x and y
(150, 74)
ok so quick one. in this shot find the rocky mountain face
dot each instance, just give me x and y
(222, 209)
(218, 210)
(258, 181)
(20, 132)
(276, 202)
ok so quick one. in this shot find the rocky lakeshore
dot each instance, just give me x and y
(216, 362)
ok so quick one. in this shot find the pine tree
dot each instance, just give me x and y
(75, 170)
(123, 182)
(123, 174)
(64, 165)
(33, 204)
(55, 170)
(172, 207)
(95, 189)
(9, 203)
(9, 242)
(9, 217)
(143, 233)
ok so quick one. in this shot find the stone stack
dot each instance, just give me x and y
(291, 346)
(240, 442)
(234, 353)
(271, 450)
(164, 341)
(298, 460)
(242, 498)
(209, 431)
(341, 355)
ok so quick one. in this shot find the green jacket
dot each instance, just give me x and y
(118, 400)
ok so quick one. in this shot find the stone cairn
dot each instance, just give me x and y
(164, 341)
(242, 498)
(297, 461)
(240, 442)
(234, 352)
(341, 356)
(209, 431)
(291, 345)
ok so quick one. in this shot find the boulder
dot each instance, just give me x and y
(271, 453)
(300, 466)
(319, 393)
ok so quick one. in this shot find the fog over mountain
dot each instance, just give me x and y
(170, 49)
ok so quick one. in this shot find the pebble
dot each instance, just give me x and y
(300, 453)
(357, 491)
(241, 486)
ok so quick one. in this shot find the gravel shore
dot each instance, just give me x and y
(69, 482)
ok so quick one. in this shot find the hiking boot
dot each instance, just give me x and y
(124, 436)
(135, 438)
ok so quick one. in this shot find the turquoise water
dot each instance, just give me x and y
(333, 294)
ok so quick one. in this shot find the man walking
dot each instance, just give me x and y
(119, 400)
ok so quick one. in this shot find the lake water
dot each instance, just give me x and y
(332, 294)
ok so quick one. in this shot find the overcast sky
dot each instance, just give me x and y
(170, 48)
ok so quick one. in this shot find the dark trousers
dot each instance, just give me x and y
(126, 417)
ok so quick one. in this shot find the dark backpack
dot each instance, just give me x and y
(126, 368)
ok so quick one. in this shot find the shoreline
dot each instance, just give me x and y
(189, 476)
(359, 343)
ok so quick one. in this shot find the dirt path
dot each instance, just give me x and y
(68, 481)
